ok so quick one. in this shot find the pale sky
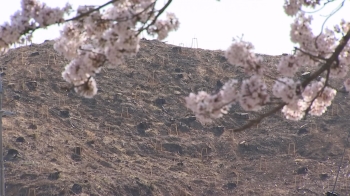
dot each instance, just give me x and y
(214, 24)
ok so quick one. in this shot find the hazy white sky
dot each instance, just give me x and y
(214, 24)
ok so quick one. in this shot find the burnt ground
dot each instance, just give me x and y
(137, 138)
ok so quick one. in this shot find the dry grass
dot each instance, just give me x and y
(130, 145)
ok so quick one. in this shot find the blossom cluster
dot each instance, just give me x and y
(80, 71)
(110, 36)
(316, 96)
(240, 53)
(253, 95)
(32, 15)
(94, 37)
(286, 89)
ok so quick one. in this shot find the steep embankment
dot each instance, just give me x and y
(137, 138)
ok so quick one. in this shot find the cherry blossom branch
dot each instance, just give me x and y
(32, 29)
(156, 17)
(330, 60)
(133, 15)
(334, 57)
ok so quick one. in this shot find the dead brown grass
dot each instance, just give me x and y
(133, 146)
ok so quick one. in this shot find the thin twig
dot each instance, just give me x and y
(155, 19)
(89, 12)
(311, 55)
(340, 164)
(324, 5)
(330, 15)
(123, 19)
(278, 80)
(32, 29)
(260, 118)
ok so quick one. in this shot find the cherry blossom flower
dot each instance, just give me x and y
(211, 106)
(240, 54)
(254, 94)
(287, 89)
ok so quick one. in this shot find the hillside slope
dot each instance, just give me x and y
(137, 138)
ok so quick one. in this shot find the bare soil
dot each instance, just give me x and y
(137, 138)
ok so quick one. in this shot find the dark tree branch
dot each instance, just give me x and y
(318, 94)
(329, 61)
(260, 118)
